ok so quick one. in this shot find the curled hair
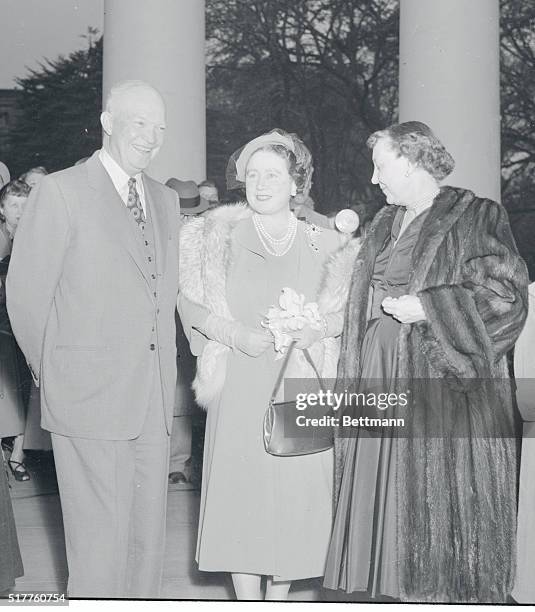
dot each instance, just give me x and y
(16, 188)
(416, 141)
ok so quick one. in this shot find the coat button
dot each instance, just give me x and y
(152, 347)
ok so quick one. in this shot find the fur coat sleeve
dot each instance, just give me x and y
(475, 308)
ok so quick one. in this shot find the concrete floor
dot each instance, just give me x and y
(39, 524)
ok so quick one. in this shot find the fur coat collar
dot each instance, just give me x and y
(205, 258)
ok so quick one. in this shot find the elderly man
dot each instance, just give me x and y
(92, 290)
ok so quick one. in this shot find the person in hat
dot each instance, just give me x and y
(260, 515)
(191, 202)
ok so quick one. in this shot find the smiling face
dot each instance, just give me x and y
(268, 183)
(391, 172)
(135, 127)
(12, 209)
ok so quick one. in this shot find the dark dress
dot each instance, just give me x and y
(10, 560)
(12, 405)
(20, 408)
(362, 554)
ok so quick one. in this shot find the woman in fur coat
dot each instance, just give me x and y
(260, 515)
(427, 512)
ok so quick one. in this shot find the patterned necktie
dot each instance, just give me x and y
(134, 203)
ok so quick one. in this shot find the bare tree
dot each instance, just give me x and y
(326, 69)
(518, 121)
(518, 92)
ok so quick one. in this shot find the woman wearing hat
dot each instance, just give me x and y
(260, 515)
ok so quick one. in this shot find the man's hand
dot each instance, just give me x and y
(252, 342)
(406, 309)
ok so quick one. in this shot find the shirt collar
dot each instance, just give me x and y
(118, 176)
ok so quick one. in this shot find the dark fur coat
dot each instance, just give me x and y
(455, 488)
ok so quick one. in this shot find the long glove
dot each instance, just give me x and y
(236, 335)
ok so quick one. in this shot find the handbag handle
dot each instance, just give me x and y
(278, 382)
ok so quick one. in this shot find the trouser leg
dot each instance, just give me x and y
(180, 460)
(147, 534)
(96, 485)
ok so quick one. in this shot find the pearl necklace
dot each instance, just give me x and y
(276, 246)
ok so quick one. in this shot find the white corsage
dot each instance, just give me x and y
(292, 314)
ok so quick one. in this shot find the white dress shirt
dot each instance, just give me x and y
(120, 179)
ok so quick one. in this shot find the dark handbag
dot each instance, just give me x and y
(278, 422)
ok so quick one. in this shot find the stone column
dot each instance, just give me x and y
(162, 42)
(450, 79)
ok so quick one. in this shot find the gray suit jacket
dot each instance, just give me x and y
(82, 308)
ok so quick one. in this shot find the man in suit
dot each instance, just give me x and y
(92, 291)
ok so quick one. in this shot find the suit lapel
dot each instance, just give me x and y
(114, 214)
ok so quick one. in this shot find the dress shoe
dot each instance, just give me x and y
(19, 471)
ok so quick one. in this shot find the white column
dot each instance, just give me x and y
(162, 42)
(450, 79)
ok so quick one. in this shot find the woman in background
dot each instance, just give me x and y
(13, 198)
(35, 438)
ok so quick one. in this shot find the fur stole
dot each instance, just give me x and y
(206, 255)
